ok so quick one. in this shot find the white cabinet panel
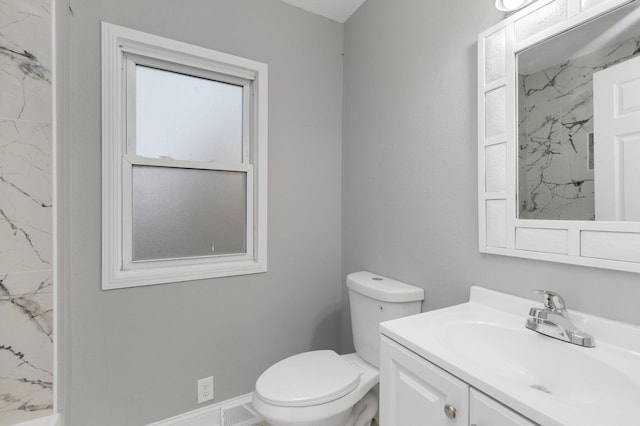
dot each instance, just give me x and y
(496, 223)
(496, 167)
(586, 4)
(495, 112)
(540, 19)
(543, 240)
(484, 411)
(413, 391)
(610, 245)
(495, 63)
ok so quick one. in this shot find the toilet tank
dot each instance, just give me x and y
(374, 299)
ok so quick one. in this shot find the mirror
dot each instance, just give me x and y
(579, 60)
(577, 162)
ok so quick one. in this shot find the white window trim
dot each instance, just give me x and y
(119, 45)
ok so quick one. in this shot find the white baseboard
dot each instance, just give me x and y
(52, 420)
(206, 416)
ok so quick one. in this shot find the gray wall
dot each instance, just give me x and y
(410, 164)
(132, 356)
(408, 172)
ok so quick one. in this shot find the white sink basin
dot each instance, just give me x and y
(484, 342)
(547, 365)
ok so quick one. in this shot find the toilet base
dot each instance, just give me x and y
(362, 414)
(364, 411)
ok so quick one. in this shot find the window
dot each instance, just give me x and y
(184, 161)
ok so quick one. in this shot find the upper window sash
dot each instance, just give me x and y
(133, 60)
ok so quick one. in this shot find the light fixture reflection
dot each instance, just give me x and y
(511, 5)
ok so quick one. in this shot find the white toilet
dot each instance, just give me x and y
(322, 388)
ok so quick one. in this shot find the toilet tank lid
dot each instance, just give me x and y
(382, 288)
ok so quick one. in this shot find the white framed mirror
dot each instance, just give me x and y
(559, 134)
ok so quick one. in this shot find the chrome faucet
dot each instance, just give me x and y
(553, 321)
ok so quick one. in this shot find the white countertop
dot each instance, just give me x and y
(588, 386)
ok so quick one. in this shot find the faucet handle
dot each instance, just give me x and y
(552, 300)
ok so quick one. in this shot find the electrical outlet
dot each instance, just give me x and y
(205, 389)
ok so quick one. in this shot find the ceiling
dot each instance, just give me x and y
(338, 10)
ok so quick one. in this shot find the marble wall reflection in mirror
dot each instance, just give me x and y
(577, 162)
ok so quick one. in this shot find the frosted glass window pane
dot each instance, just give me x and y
(185, 213)
(187, 118)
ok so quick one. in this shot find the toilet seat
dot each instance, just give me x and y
(333, 413)
(307, 379)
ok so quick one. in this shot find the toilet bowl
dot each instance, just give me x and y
(322, 388)
(319, 388)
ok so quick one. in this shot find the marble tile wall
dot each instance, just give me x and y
(555, 110)
(26, 288)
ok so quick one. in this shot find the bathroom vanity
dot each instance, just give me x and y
(417, 391)
(477, 364)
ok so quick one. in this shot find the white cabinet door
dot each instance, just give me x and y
(485, 411)
(414, 392)
(616, 108)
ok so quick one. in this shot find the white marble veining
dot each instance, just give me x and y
(25, 58)
(25, 196)
(555, 112)
(26, 356)
(26, 288)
